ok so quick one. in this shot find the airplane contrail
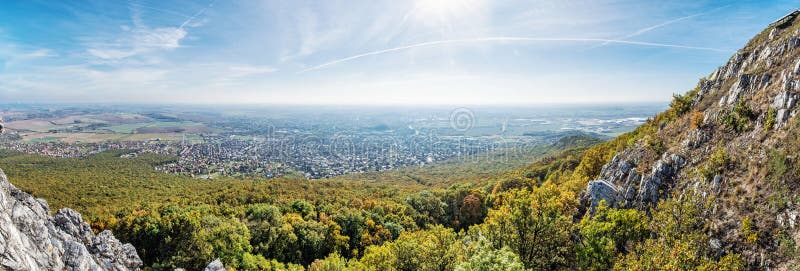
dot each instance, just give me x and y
(196, 14)
(159, 10)
(650, 28)
(506, 39)
(653, 27)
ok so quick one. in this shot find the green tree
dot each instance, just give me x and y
(430, 209)
(380, 258)
(606, 233)
(534, 225)
(488, 258)
(679, 228)
(252, 262)
(266, 226)
(432, 249)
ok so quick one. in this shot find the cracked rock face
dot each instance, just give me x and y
(621, 186)
(601, 190)
(30, 239)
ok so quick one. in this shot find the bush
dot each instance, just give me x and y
(681, 104)
(748, 230)
(739, 118)
(679, 240)
(770, 121)
(606, 234)
(655, 144)
(715, 165)
(696, 120)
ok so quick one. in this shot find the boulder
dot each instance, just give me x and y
(216, 265)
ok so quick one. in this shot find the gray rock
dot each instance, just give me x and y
(601, 190)
(33, 240)
(741, 86)
(780, 100)
(216, 265)
(716, 184)
(716, 247)
(781, 117)
(660, 179)
(696, 139)
(796, 67)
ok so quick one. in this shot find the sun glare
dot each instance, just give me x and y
(437, 6)
(442, 12)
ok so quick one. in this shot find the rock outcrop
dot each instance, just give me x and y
(31, 239)
(621, 185)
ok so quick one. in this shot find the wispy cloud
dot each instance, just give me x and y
(511, 39)
(138, 41)
(143, 39)
(11, 55)
(196, 14)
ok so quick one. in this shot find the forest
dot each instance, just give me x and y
(526, 218)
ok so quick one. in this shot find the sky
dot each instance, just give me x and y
(370, 52)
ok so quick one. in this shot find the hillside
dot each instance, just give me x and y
(731, 143)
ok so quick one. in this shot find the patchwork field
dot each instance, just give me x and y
(93, 128)
(99, 137)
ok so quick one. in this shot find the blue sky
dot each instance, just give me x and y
(367, 52)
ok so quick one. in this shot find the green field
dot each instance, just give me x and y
(45, 139)
(131, 127)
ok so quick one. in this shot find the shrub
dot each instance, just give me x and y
(489, 258)
(715, 165)
(738, 119)
(655, 144)
(681, 103)
(696, 120)
(770, 121)
(606, 234)
(748, 231)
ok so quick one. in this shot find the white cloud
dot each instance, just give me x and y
(139, 41)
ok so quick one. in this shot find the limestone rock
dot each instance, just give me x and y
(663, 173)
(33, 240)
(601, 190)
(216, 265)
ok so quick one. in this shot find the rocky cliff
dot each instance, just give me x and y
(733, 140)
(32, 239)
